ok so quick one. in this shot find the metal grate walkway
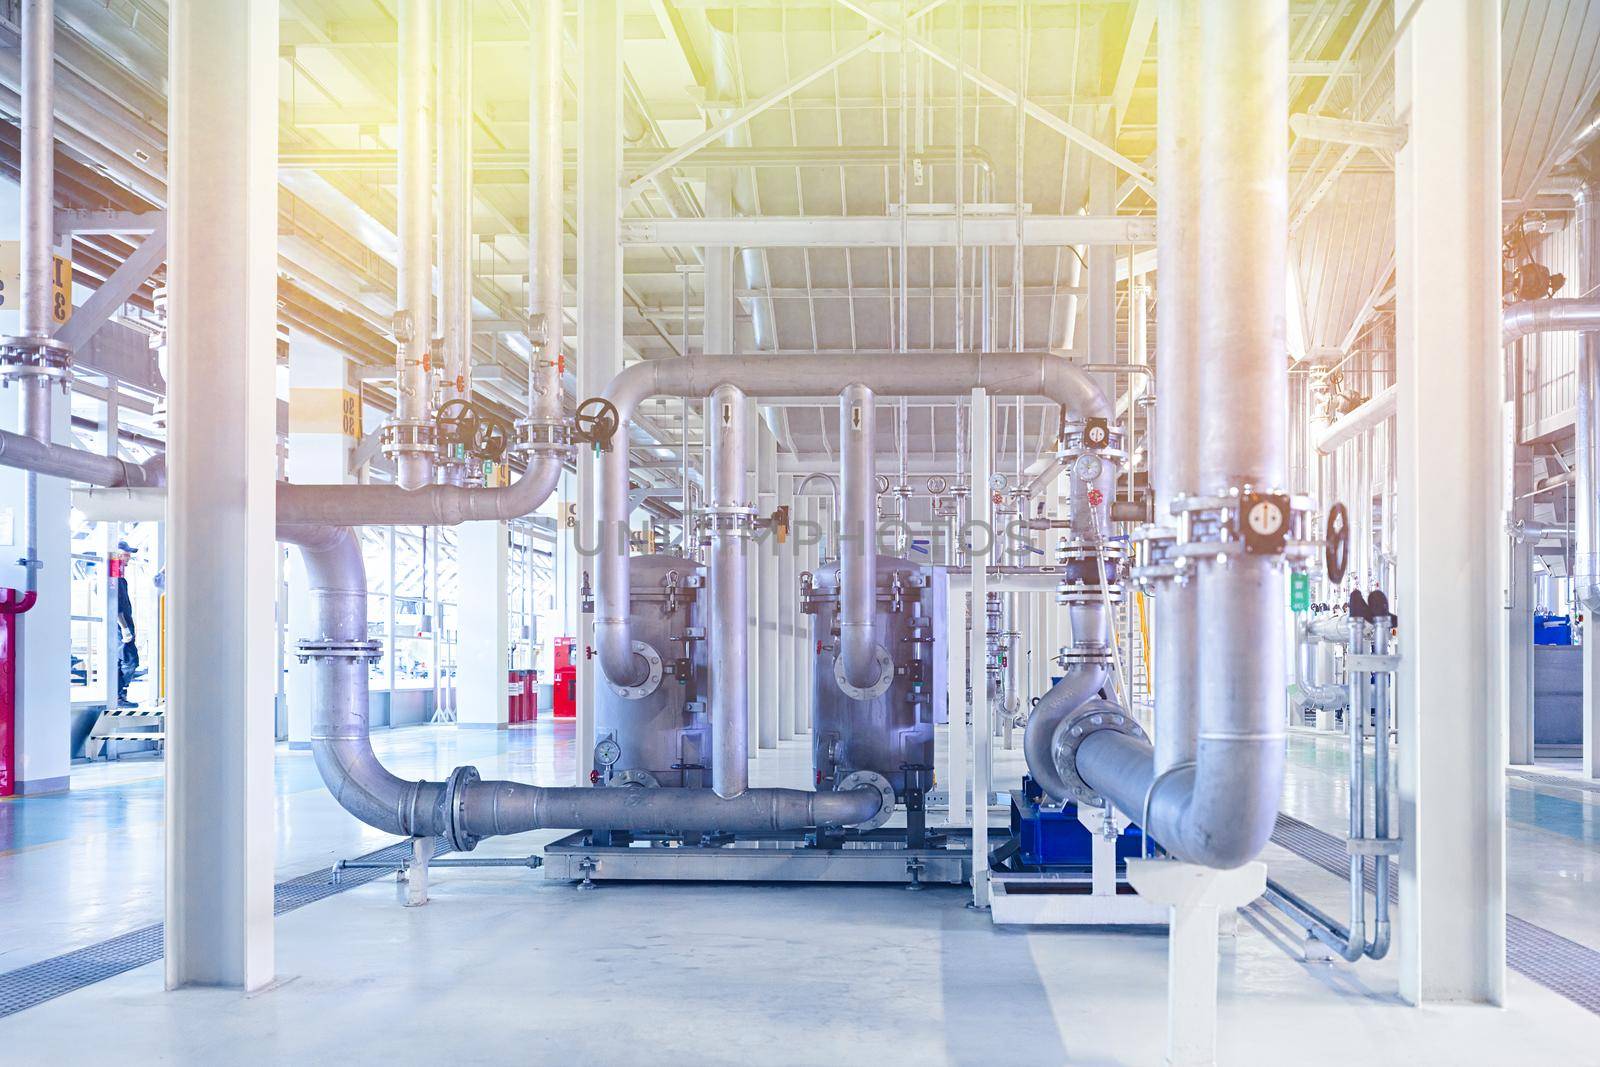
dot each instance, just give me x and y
(38, 982)
(1559, 964)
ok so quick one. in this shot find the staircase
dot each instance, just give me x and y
(126, 724)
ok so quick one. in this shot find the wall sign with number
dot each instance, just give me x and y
(11, 282)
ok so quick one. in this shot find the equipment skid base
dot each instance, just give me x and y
(880, 856)
(1031, 899)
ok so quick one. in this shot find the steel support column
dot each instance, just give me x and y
(788, 610)
(222, 197)
(978, 556)
(766, 603)
(1451, 568)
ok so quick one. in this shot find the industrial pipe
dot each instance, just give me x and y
(1555, 315)
(1172, 472)
(455, 127)
(1219, 809)
(464, 809)
(546, 256)
(858, 548)
(414, 269)
(61, 461)
(1041, 374)
(1586, 550)
(1353, 424)
(730, 516)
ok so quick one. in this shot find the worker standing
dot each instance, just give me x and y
(128, 660)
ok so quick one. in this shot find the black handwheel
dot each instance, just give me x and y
(1336, 544)
(491, 438)
(456, 423)
(596, 420)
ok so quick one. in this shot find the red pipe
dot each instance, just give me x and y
(12, 604)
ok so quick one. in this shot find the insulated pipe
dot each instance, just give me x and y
(464, 808)
(455, 200)
(858, 549)
(730, 513)
(1352, 424)
(414, 269)
(1586, 551)
(1557, 314)
(1172, 472)
(1041, 374)
(1220, 810)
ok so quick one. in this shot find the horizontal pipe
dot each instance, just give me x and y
(61, 461)
(432, 505)
(1556, 315)
(1354, 423)
(1041, 374)
(465, 809)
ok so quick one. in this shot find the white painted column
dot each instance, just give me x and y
(977, 646)
(324, 425)
(788, 611)
(482, 655)
(600, 340)
(766, 556)
(1451, 568)
(222, 207)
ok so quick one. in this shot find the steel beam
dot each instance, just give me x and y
(114, 292)
(877, 231)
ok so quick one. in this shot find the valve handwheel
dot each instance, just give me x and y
(596, 420)
(456, 422)
(490, 438)
(1336, 546)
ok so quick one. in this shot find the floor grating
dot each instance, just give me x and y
(1557, 781)
(1559, 964)
(38, 982)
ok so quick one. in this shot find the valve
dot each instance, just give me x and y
(595, 422)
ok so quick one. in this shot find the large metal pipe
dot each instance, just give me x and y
(455, 127)
(1040, 374)
(1353, 424)
(431, 505)
(60, 461)
(414, 270)
(38, 170)
(730, 514)
(1557, 314)
(1172, 471)
(1220, 809)
(858, 548)
(464, 809)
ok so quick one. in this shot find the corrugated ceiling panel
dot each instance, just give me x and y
(1343, 253)
(1550, 61)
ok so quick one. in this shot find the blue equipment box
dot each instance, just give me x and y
(1047, 837)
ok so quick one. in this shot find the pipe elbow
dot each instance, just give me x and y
(618, 661)
(858, 654)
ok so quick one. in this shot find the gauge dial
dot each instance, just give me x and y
(997, 482)
(937, 484)
(1087, 467)
(607, 752)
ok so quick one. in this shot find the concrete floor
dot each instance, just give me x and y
(502, 967)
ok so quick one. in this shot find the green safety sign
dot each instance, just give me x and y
(1299, 592)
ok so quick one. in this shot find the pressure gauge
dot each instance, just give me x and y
(607, 752)
(937, 485)
(1087, 467)
(1265, 518)
(997, 482)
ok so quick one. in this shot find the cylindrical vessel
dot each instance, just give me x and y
(730, 516)
(887, 726)
(414, 269)
(663, 726)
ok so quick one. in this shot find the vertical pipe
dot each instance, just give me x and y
(38, 214)
(544, 210)
(455, 127)
(1172, 467)
(1586, 553)
(1356, 725)
(729, 637)
(414, 272)
(858, 578)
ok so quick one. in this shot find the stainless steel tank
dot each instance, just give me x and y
(887, 726)
(662, 727)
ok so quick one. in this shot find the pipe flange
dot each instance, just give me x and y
(1076, 593)
(870, 780)
(1079, 724)
(636, 778)
(455, 794)
(736, 519)
(885, 664)
(541, 435)
(312, 648)
(651, 683)
(24, 356)
(409, 437)
(1245, 520)
(1070, 656)
(1082, 550)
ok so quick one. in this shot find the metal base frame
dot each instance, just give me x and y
(881, 856)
